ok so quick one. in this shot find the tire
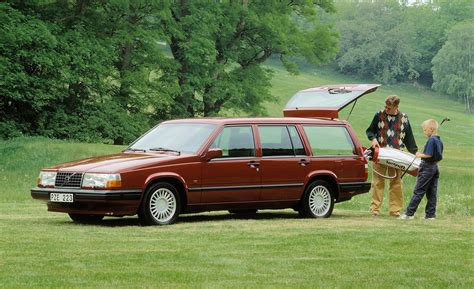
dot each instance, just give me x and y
(160, 206)
(244, 212)
(86, 219)
(318, 201)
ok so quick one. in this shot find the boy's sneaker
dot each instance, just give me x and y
(406, 217)
(430, 218)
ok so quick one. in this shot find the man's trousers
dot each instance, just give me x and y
(395, 194)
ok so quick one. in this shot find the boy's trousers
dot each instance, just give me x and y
(426, 183)
(395, 194)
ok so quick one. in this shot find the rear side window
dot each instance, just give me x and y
(275, 141)
(280, 141)
(329, 140)
(235, 141)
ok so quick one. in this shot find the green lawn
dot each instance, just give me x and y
(273, 249)
(217, 250)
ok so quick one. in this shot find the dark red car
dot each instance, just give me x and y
(236, 164)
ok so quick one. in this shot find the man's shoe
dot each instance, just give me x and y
(430, 218)
(375, 214)
(406, 217)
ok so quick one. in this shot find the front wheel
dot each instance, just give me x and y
(161, 205)
(318, 201)
(86, 219)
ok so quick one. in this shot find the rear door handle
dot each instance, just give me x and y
(303, 162)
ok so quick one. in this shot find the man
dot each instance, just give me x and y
(389, 128)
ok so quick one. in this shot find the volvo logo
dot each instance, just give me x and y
(67, 179)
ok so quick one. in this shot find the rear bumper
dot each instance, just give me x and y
(97, 202)
(348, 190)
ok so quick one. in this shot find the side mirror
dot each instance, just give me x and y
(213, 153)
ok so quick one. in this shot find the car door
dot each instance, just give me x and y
(284, 163)
(333, 150)
(234, 177)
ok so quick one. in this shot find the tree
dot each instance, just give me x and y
(453, 66)
(78, 69)
(374, 44)
(98, 70)
(218, 49)
(30, 68)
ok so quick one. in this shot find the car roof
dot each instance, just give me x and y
(259, 120)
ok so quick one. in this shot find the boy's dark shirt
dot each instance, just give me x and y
(434, 148)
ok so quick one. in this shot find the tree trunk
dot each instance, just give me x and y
(123, 67)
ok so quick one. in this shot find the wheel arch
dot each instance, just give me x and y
(327, 176)
(173, 180)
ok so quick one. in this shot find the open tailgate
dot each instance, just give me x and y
(325, 101)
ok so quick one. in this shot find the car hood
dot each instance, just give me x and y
(116, 163)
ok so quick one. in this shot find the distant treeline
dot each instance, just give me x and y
(429, 43)
(105, 71)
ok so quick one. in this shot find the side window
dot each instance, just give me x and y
(329, 140)
(275, 141)
(235, 141)
(296, 140)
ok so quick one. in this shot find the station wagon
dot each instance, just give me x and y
(308, 161)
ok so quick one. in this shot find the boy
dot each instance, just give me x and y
(428, 173)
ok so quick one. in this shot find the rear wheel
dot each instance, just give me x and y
(161, 205)
(318, 201)
(86, 219)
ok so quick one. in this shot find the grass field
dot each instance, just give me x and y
(275, 249)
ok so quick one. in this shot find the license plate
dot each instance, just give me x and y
(61, 198)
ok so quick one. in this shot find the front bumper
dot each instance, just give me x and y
(96, 202)
(348, 190)
(84, 195)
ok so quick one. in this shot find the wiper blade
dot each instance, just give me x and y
(134, 150)
(160, 149)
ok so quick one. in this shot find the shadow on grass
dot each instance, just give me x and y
(220, 216)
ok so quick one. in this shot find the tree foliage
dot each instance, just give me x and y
(99, 70)
(453, 66)
(218, 49)
(391, 41)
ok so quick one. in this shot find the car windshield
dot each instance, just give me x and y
(178, 137)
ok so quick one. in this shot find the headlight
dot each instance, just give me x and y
(101, 181)
(46, 179)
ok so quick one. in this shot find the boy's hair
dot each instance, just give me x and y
(392, 100)
(430, 123)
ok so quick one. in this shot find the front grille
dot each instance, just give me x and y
(68, 180)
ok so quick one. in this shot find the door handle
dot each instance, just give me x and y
(303, 162)
(253, 164)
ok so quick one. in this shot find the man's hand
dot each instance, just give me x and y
(374, 143)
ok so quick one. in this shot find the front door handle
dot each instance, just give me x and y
(254, 165)
(303, 162)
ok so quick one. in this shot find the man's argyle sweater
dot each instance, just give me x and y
(392, 131)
